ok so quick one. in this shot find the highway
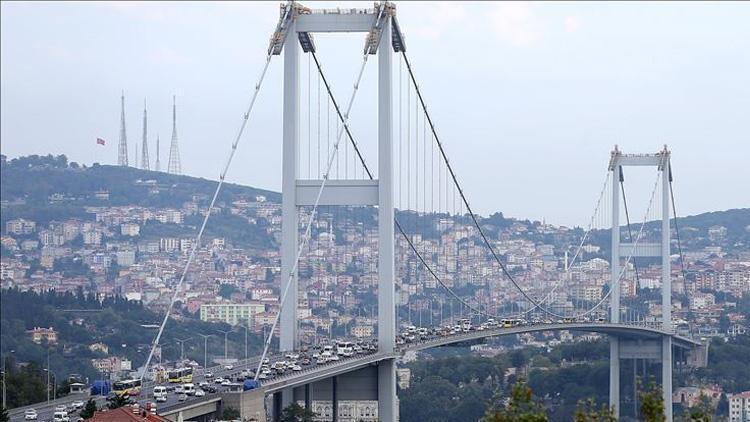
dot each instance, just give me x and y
(365, 356)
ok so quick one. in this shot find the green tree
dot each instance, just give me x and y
(652, 404)
(520, 408)
(89, 409)
(230, 413)
(296, 413)
(702, 412)
(586, 411)
(116, 400)
(722, 409)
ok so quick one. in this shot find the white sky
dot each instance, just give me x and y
(529, 98)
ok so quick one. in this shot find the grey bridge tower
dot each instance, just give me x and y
(621, 348)
(295, 32)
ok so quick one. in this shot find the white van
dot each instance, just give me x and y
(160, 391)
(188, 389)
(61, 417)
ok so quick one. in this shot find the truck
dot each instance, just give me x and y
(250, 385)
(101, 388)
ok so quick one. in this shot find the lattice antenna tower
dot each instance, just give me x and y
(157, 165)
(122, 149)
(173, 166)
(144, 147)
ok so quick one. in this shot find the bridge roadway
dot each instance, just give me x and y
(318, 372)
(46, 410)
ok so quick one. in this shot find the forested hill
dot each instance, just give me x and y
(29, 183)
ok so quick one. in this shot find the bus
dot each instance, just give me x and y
(569, 320)
(130, 387)
(181, 375)
(509, 322)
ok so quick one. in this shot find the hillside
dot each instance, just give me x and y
(47, 188)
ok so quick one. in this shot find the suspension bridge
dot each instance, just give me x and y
(411, 181)
(402, 196)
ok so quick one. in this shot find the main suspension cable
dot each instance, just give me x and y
(627, 220)
(676, 227)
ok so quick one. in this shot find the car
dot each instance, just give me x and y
(208, 375)
(161, 399)
(200, 393)
(228, 367)
(179, 389)
(296, 368)
(182, 397)
(209, 389)
(78, 404)
(60, 408)
(263, 376)
(30, 415)
(218, 380)
(226, 382)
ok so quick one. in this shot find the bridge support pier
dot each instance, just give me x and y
(666, 376)
(614, 375)
(387, 406)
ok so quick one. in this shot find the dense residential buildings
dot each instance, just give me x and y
(139, 252)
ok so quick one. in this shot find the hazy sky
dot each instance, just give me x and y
(529, 98)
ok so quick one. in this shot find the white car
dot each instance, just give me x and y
(161, 399)
(60, 408)
(30, 415)
(226, 382)
(208, 375)
(219, 380)
(182, 397)
(228, 367)
(296, 368)
(78, 404)
(199, 393)
(179, 389)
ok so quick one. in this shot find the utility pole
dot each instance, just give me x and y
(47, 374)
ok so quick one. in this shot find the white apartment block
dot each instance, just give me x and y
(231, 313)
(739, 407)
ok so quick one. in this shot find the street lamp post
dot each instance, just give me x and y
(225, 343)
(182, 343)
(246, 329)
(205, 349)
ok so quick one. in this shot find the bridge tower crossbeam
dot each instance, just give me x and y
(620, 348)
